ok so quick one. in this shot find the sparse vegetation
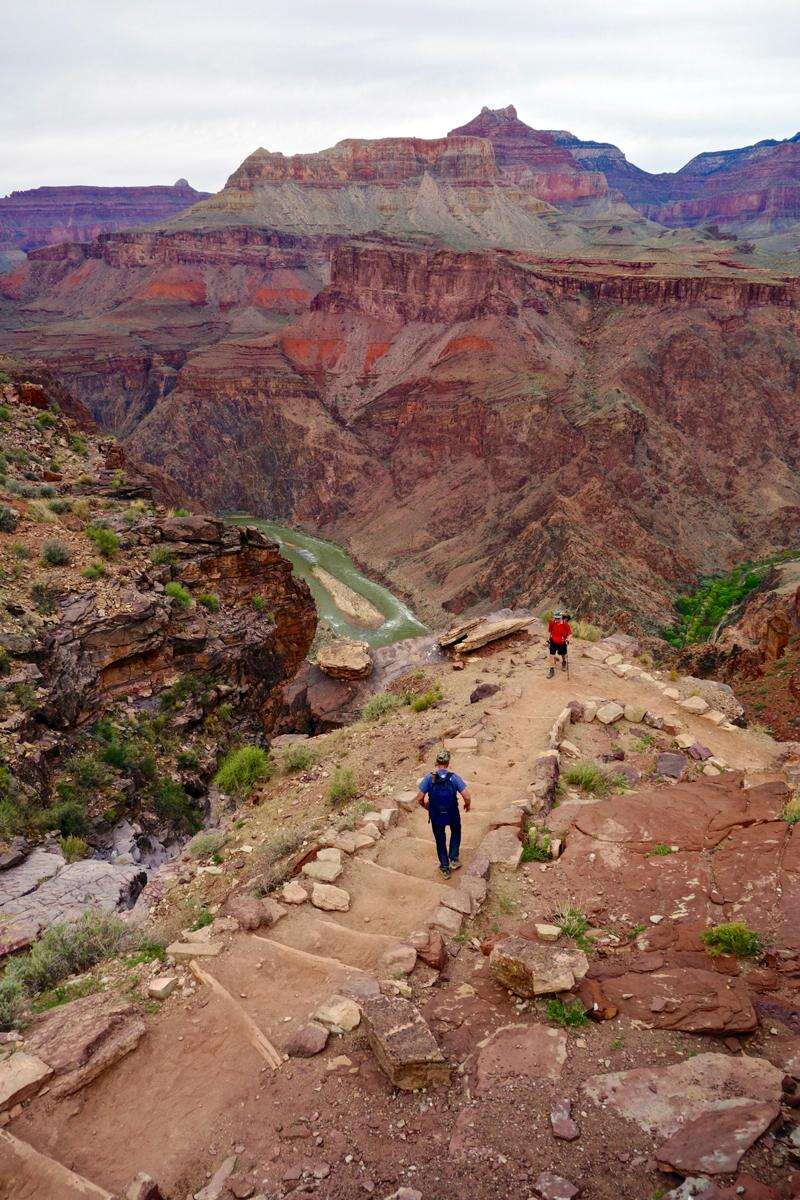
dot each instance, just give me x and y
(586, 630)
(701, 610)
(209, 600)
(536, 847)
(74, 848)
(55, 553)
(64, 949)
(570, 1015)
(242, 768)
(425, 700)
(297, 758)
(343, 786)
(791, 810)
(574, 924)
(590, 778)
(261, 606)
(45, 420)
(94, 571)
(381, 704)
(204, 844)
(103, 539)
(160, 556)
(179, 594)
(8, 519)
(659, 850)
(734, 938)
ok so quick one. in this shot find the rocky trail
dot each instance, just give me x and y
(400, 974)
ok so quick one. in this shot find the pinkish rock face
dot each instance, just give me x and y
(530, 1051)
(714, 1143)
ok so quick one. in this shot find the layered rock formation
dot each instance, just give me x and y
(44, 216)
(469, 357)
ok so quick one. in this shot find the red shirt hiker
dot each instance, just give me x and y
(559, 630)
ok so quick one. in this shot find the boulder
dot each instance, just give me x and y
(330, 898)
(345, 659)
(251, 912)
(530, 969)
(293, 892)
(671, 764)
(143, 1187)
(403, 1044)
(448, 920)
(401, 960)
(502, 846)
(307, 1040)
(635, 713)
(338, 1012)
(694, 704)
(21, 1076)
(81, 1039)
(430, 947)
(491, 631)
(161, 987)
(561, 1122)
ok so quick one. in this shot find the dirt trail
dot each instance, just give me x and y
(160, 1108)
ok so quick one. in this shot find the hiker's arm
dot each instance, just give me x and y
(421, 799)
(465, 796)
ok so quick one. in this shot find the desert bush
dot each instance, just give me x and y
(94, 571)
(209, 601)
(206, 843)
(61, 504)
(733, 938)
(377, 706)
(45, 420)
(590, 778)
(587, 631)
(425, 700)
(78, 444)
(791, 810)
(160, 556)
(55, 553)
(179, 594)
(297, 758)
(242, 768)
(8, 519)
(103, 539)
(173, 804)
(574, 924)
(660, 850)
(74, 848)
(343, 786)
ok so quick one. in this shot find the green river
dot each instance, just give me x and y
(394, 619)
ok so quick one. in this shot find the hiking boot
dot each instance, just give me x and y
(446, 872)
(455, 864)
(551, 673)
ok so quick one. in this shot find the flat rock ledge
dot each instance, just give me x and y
(530, 969)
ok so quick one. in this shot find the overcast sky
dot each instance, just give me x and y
(117, 92)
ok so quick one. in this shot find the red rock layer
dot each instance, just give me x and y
(47, 215)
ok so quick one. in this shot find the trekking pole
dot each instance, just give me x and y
(566, 660)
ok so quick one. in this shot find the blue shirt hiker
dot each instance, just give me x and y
(438, 793)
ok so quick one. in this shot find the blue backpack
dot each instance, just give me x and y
(442, 796)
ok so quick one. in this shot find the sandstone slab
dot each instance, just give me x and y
(330, 898)
(293, 892)
(502, 846)
(530, 1051)
(714, 1143)
(338, 1012)
(21, 1076)
(671, 764)
(694, 704)
(661, 1100)
(161, 987)
(82, 1039)
(555, 1187)
(608, 714)
(322, 871)
(429, 945)
(184, 950)
(686, 998)
(635, 712)
(531, 969)
(561, 1122)
(403, 1044)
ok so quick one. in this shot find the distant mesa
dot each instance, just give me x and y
(45, 216)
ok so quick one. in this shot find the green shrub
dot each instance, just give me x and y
(204, 844)
(179, 512)
(9, 519)
(160, 556)
(55, 553)
(179, 594)
(733, 938)
(209, 601)
(88, 770)
(587, 631)
(260, 605)
(569, 1016)
(60, 505)
(242, 768)
(94, 571)
(573, 924)
(591, 778)
(78, 444)
(188, 760)
(172, 803)
(12, 1002)
(660, 850)
(297, 758)
(5, 411)
(425, 700)
(74, 848)
(343, 786)
(791, 811)
(104, 540)
(67, 816)
(536, 847)
(44, 597)
(378, 706)
(45, 420)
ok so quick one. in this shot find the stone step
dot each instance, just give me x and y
(386, 901)
(417, 855)
(307, 930)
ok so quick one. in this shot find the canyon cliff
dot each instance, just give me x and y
(44, 216)
(468, 357)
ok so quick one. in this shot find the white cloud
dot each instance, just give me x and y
(116, 92)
